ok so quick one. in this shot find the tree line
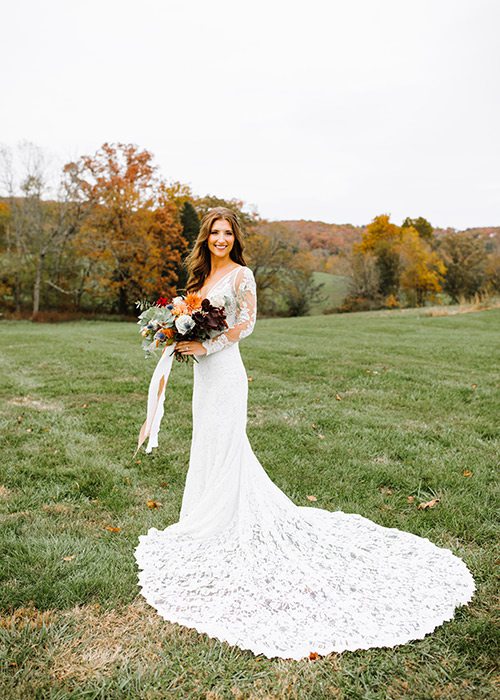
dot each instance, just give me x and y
(104, 230)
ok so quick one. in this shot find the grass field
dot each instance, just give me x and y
(334, 291)
(360, 410)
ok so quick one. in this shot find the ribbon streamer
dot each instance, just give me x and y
(156, 398)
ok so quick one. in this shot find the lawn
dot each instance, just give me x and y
(360, 410)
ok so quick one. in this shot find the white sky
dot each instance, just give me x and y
(335, 110)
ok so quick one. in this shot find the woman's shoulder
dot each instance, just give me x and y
(244, 279)
(245, 270)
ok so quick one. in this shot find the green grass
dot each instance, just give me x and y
(361, 410)
(335, 289)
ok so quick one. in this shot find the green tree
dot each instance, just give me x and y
(423, 227)
(190, 222)
(466, 265)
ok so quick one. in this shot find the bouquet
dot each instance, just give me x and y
(188, 317)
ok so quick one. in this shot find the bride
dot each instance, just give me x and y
(244, 564)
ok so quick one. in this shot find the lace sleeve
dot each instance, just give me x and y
(246, 313)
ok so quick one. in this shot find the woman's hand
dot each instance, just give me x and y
(190, 347)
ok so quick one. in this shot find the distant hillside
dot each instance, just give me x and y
(334, 238)
(339, 238)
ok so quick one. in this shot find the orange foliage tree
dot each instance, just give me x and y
(382, 239)
(404, 259)
(132, 235)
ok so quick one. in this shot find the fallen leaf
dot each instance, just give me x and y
(467, 472)
(164, 484)
(474, 386)
(428, 504)
(386, 490)
(138, 461)
(311, 498)
(410, 499)
(153, 504)
(69, 558)
(250, 379)
(29, 430)
(85, 405)
(338, 397)
(321, 436)
(112, 529)
(313, 655)
(20, 419)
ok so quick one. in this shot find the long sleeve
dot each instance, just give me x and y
(246, 313)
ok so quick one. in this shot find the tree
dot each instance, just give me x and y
(247, 219)
(422, 226)
(38, 225)
(382, 238)
(299, 290)
(365, 280)
(466, 265)
(423, 269)
(133, 235)
(190, 222)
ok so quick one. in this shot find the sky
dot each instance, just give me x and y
(329, 110)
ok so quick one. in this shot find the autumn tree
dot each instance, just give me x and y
(422, 269)
(423, 227)
(133, 236)
(382, 239)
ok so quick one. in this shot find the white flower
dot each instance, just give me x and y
(217, 300)
(177, 300)
(184, 323)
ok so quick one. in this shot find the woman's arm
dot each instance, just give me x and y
(246, 313)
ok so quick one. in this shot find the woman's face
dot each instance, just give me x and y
(220, 239)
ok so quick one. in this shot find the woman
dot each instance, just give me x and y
(247, 566)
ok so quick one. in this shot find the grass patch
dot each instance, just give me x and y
(370, 413)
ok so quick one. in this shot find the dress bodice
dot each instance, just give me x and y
(236, 291)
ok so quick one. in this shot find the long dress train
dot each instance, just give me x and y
(245, 565)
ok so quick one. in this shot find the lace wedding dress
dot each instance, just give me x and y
(247, 566)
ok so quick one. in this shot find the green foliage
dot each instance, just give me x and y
(424, 227)
(466, 261)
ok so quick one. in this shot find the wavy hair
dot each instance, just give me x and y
(198, 261)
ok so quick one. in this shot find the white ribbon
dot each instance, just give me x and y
(156, 398)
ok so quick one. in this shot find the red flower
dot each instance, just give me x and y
(162, 301)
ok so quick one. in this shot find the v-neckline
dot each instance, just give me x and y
(220, 280)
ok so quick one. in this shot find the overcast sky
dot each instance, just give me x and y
(333, 110)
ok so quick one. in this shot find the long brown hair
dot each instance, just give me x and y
(198, 261)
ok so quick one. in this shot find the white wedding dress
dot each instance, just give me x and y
(247, 566)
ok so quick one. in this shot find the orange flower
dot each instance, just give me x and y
(179, 309)
(169, 332)
(193, 300)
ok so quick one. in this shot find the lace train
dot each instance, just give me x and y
(285, 580)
